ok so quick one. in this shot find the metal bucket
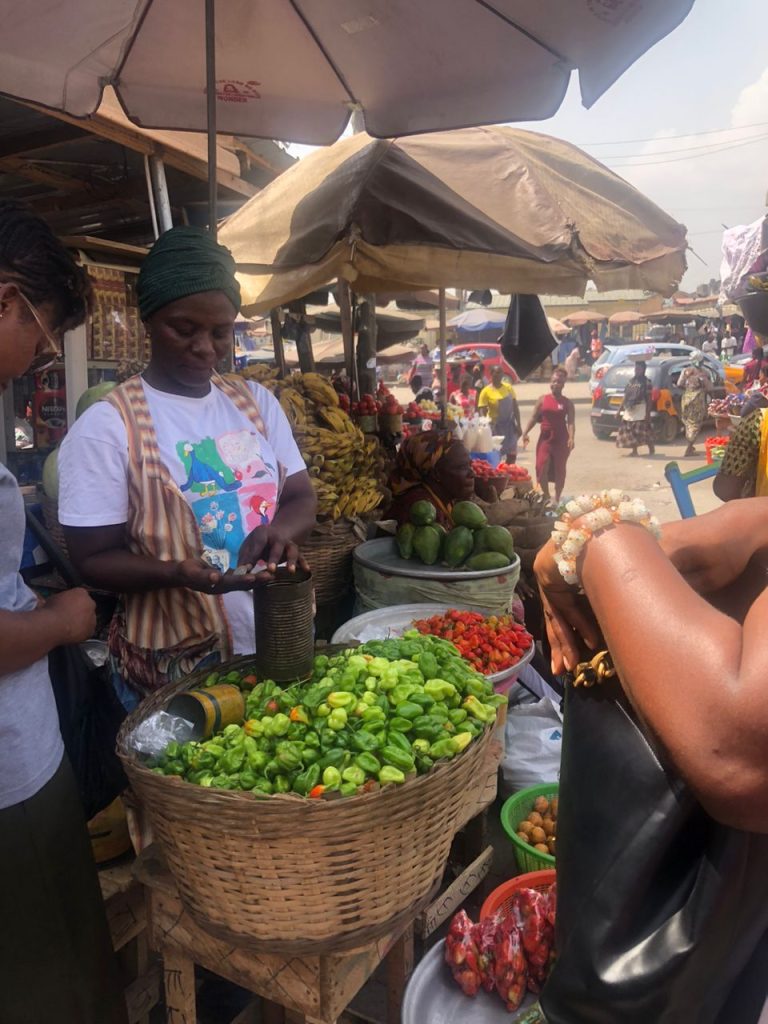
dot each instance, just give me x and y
(285, 630)
(211, 709)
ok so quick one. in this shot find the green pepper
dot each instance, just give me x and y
(310, 756)
(256, 757)
(482, 712)
(231, 761)
(335, 758)
(271, 769)
(214, 749)
(282, 783)
(439, 689)
(231, 734)
(368, 698)
(311, 739)
(371, 684)
(390, 774)
(253, 727)
(205, 779)
(420, 746)
(174, 768)
(247, 779)
(348, 789)
(341, 699)
(263, 786)
(442, 748)
(477, 688)
(323, 710)
(296, 731)
(306, 780)
(408, 709)
(399, 740)
(399, 758)
(289, 755)
(211, 680)
(427, 727)
(299, 714)
(461, 740)
(398, 724)
(423, 763)
(280, 724)
(457, 716)
(368, 763)
(315, 695)
(363, 741)
(173, 751)
(427, 662)
(354, 774)
(374, 714)
(331, 777)
(337, 719)
(223, 782)
(424, 701)
(401, 693)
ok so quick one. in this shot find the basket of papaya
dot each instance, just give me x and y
(323, 819)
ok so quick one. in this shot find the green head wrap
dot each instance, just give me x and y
(185, 261)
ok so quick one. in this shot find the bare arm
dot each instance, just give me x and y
(570, 419)
(695, 675)
(533, 420)
(26, 637)
(516, 417)
(293, 520)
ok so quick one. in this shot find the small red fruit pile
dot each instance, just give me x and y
(367, 406)
(390, 406)
(505, 470)
(511, 951)
(489, 644)
(412, 412)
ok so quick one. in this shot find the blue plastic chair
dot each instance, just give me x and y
(680, 483)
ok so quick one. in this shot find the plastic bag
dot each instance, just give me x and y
(90, 716)
(485, 934)
(533, 744)
(511, 971)
(531, 911)
(461, 954)
(153, 735)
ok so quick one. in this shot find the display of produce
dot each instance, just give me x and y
(510, 952)
(728, 406)
(539, 828)
(505, 470)
(471, 543)
(370, 716)
(490, 644)
(346, 467)
(715, 448)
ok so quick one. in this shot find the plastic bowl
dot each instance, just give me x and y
(501, 897)
(515, 810)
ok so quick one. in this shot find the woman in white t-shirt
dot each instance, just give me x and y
(182, 486)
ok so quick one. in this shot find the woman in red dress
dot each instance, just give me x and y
(556, 417)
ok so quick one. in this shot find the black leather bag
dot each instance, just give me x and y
(662, 913)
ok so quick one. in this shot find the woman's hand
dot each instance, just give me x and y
(197, 574)
(72, 614)
(571, 444)
(272, 545)
(570, 622)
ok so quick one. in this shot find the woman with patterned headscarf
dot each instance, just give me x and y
(431, 466)
(165, 485)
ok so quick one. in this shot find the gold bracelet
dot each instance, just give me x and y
(597, 670)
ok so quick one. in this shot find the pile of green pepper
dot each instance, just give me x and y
(368, 717)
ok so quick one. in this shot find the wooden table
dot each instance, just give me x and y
(312, 989)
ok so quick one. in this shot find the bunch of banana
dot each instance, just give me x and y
(259, 372)
(316, 388)
(294, 407)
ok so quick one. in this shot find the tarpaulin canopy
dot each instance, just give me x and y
(626, 316)
(479, 208)
(557, 326)
(478, 320)
(293, 69)
(584, 316)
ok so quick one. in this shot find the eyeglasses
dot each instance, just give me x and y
(49, 349)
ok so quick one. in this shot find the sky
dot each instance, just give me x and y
(708, 76)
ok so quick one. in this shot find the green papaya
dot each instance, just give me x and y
(404, 539)
(457, 547)
(426, 544)
(478, 541)
(494, 538)
(423, 513)
(487, 560)
(467, 513)
(443, 534)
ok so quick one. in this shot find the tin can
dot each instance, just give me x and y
(285, 627)
(210, 710)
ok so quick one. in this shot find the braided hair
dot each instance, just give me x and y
(35, 260)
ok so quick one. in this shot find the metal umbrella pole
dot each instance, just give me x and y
(210, 97)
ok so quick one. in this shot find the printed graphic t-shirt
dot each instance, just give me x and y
(225, 469)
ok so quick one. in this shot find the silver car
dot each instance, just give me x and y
(614, 355)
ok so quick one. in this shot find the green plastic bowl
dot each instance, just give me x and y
(515, 810)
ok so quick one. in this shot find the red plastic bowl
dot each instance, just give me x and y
(501, 897)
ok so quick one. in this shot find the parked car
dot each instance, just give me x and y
(664, 373)
(616, 354)
(461, 356)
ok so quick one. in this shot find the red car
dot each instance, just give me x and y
(462, 357)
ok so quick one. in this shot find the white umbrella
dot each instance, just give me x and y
(293, 69)
(478, 320)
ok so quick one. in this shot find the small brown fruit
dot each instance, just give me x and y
(525, 826)
(553, 807)
(541, 847)
(523, 836)
(551, 844)
(535, 818)
(549, 826)
(538, 835)
(541, 804)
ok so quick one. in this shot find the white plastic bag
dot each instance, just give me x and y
(534, 740)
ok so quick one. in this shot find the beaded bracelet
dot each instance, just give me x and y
(594, 512)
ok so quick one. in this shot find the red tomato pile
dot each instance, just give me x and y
(413, 411)
(369, 406)
(485, 471)
(344, 402)
(489, 644)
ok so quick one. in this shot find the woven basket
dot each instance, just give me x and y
(50, 509)
(328, 550)
(287, 875)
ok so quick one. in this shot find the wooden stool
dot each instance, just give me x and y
(312, 989)
(127, 919)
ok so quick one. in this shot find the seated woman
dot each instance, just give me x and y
(465, 397)
(430, 466)
(180, 486)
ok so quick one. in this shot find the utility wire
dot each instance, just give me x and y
(674, 160)
(709, 146)
(683, 135)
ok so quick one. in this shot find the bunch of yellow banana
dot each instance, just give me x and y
(259, 372)
(294, 407)
(316, 388)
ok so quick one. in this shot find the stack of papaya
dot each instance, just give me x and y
(470, 544)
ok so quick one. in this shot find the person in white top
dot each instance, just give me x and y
(709, 344)
(728, 345)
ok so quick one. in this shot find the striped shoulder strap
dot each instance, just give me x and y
(131, 402)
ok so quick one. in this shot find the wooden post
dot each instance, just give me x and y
(180, 1000)
(347, 333)
(304, 344)
(277, 341)
(75, 368)
(443, 366)
(399, 968)
(366, 347)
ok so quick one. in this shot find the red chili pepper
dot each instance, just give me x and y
(316, 791)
